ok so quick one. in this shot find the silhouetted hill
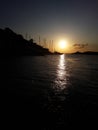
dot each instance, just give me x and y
(57, 53)
(14, 44)
(86, 53)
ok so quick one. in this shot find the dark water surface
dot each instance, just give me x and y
(50, 92)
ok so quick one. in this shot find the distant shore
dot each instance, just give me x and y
(86, 53)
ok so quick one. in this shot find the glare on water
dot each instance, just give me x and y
(61, 67)
(60, 81)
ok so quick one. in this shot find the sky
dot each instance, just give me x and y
(75, 21)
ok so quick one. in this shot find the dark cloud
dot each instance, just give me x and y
(80, 46)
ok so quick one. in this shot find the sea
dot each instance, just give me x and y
(51, 92)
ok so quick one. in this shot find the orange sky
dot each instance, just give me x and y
(69, 48)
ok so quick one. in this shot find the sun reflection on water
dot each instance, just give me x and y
(60, 81)
(61, 67)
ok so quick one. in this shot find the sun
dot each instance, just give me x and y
(62, 44)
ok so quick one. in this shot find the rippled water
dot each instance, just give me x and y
(62, 89)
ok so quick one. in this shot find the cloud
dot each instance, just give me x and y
(80, 46)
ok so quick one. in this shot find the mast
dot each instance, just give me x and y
(39, 41)
(52, 46)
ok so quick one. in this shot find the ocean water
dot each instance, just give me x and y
(56, 92)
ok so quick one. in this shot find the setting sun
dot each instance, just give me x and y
(62, 44)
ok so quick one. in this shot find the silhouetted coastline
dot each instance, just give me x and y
(86, 53)
(12, 44)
